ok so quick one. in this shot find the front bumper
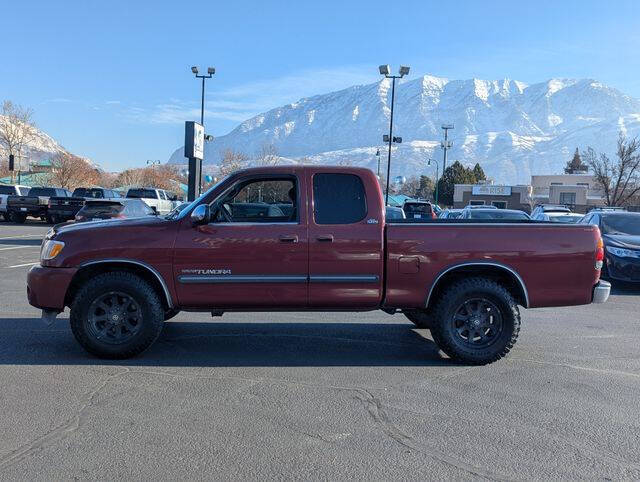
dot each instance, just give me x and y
(601, 292)
(623, 269)
(47, 287)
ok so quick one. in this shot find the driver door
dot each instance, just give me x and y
(253, 253)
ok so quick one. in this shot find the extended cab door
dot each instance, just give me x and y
(254, 253)
(345, 239)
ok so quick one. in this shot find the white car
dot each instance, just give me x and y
(157, 199)
(5, 192)
(559, 217)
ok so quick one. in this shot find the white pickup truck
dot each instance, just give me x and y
(10, 190)
(157, 199)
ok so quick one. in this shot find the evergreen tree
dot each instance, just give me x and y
(478, 172)
(575, 165)
(456, 173)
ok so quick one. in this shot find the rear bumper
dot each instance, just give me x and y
(47, 287)
(601, 292)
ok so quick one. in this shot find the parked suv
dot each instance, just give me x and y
(549, 208)
(418, 210)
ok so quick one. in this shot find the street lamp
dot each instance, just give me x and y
(378, 156)
(210, 72)
(385, 70)
(429, 163)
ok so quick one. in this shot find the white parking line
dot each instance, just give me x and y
(21, 265)
(18, 247)
(24, 236)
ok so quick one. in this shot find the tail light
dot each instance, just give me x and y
(49, 204)
(433, 215)
(599, 254)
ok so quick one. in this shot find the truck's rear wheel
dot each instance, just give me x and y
(420, 318)
(476, 321)
(17, 217)
(116, 315)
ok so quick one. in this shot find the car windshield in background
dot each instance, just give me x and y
(623, 223)
(84, 192)
(566, 218)
(421, 208)
(142, 193)
(7, 190)
(497, 214)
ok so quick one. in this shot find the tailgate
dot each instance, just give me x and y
(23, 201)
(66, 201)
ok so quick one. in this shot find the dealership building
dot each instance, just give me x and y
(577, 191)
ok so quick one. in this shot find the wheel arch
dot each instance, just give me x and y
(148, 273)
(497, 271)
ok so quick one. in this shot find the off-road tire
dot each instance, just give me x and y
(420, 318)
(140, 291)
(17, 217)
(444, 333)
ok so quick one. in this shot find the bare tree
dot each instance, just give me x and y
(16, 129)
(233, 161)
(268, 156)
(69, 171)
(619, 179)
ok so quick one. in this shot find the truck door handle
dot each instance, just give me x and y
(289, 239)
(327, 238)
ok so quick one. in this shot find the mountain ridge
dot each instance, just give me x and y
(512, 128)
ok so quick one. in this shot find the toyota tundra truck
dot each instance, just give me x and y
(315, 239)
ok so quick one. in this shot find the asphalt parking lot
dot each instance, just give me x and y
(316, 396)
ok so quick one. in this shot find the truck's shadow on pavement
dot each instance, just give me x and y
(235, 344)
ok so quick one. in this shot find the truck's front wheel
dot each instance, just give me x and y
(116, 315)
(476, 321)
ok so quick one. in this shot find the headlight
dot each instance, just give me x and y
(51, 249)
(624, 253)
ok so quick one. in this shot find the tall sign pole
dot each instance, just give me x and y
(194, 151)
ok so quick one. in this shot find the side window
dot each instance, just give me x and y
(260, 201)
(338, 199)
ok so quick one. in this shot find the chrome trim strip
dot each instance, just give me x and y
(349, 278)
(139, 263)
(241, 278)
(497, 265)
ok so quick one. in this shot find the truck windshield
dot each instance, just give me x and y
(187, 209)
(42, 191)
(627, 223)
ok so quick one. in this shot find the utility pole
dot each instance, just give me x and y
(446, 144)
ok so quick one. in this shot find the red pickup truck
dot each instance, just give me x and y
(315, 239)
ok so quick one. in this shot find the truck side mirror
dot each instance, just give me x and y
(201, 214)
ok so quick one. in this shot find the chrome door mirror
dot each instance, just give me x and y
(201, 214)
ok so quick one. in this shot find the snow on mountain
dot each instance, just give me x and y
(512, 129)
(41, 147)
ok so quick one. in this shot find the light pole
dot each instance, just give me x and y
(446, 144)
(385, 70)
(210, 72)
(437, 175)
(378, 156)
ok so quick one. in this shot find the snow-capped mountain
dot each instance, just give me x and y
(512, 129)
(42, 146)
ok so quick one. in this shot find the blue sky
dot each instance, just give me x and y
(111, 80)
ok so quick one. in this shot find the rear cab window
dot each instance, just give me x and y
(338, 198)
(142, 193)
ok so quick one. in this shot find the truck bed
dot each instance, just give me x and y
(554, 262)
